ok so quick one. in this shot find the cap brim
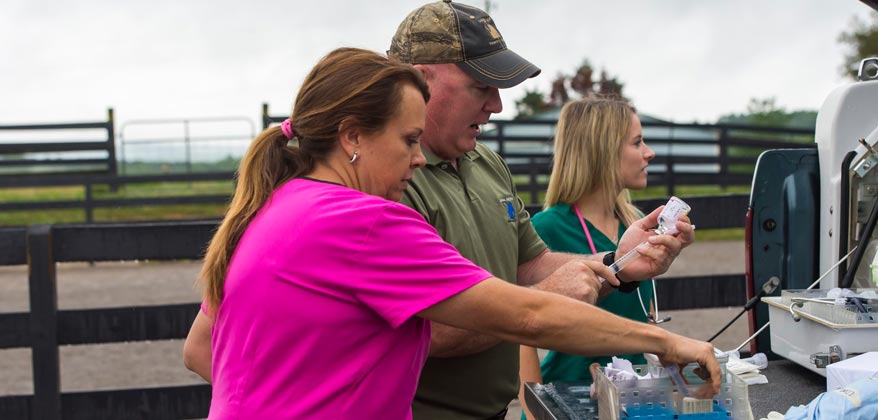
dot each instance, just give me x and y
(503, 69)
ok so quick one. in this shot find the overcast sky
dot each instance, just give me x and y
(681, 60)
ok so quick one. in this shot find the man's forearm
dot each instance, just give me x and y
(540, 267)
(533, 272)
(447, 341)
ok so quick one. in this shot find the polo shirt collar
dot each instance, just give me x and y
(434, 160)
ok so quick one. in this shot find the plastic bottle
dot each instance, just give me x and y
(758, 359)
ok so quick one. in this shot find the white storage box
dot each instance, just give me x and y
(820, 327)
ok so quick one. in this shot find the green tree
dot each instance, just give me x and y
(565, 87)
(581, 82)
(559, 95)
(610, 85)
(532, 103)
(766, 112)
(861, 42)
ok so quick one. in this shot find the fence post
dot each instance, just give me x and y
(266, 119)
(723, 157)
(501, 140)
(111, 142)
(43, 323)
(188, 146)
(122, 153)
(112, 167)
(89, 206)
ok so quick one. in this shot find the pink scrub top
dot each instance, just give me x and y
(318, 318)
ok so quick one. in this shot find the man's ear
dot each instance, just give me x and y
(426, 71)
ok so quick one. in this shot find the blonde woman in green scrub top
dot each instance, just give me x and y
(599, 155)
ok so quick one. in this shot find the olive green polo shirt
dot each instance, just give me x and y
(476, 208)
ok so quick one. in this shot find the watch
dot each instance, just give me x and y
(624, 287)
(609, 258)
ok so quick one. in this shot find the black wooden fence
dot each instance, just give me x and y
(45, 327)
(40, 162)
(687, 154)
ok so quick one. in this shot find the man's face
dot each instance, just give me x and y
(458, 106)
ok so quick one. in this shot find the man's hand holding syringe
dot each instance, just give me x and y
(673, 232)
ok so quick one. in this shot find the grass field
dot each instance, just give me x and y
(115, 214)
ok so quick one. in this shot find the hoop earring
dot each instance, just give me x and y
(355, 156)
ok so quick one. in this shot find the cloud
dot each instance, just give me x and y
(679, 59)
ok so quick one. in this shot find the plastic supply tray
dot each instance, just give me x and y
(656, 399)
(828, 310)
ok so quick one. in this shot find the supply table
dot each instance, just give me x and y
(788, 384)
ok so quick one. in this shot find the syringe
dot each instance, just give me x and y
(667, 221)
(629, 256)
(659, 370)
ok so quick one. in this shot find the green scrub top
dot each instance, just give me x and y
(560, 229)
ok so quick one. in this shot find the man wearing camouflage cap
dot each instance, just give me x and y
(467, 193)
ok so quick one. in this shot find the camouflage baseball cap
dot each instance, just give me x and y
(446, 32)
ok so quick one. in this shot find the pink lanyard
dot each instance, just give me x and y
(594, 251)
(585, 229)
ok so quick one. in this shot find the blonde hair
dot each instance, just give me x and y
(588, 143)
(350, 85)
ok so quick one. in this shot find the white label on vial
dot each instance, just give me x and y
(669, 215)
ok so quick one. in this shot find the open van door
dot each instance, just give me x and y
(781, 229)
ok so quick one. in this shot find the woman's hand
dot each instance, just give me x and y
(660, 251)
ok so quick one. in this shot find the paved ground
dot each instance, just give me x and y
(106, 366)
(122, 365)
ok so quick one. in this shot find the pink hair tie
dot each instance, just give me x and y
(287, 128)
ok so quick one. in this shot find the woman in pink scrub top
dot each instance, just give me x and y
(319, 285)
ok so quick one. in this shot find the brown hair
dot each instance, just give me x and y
(588, 141)
(356, 87)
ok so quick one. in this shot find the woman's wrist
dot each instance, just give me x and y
(624, 286)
